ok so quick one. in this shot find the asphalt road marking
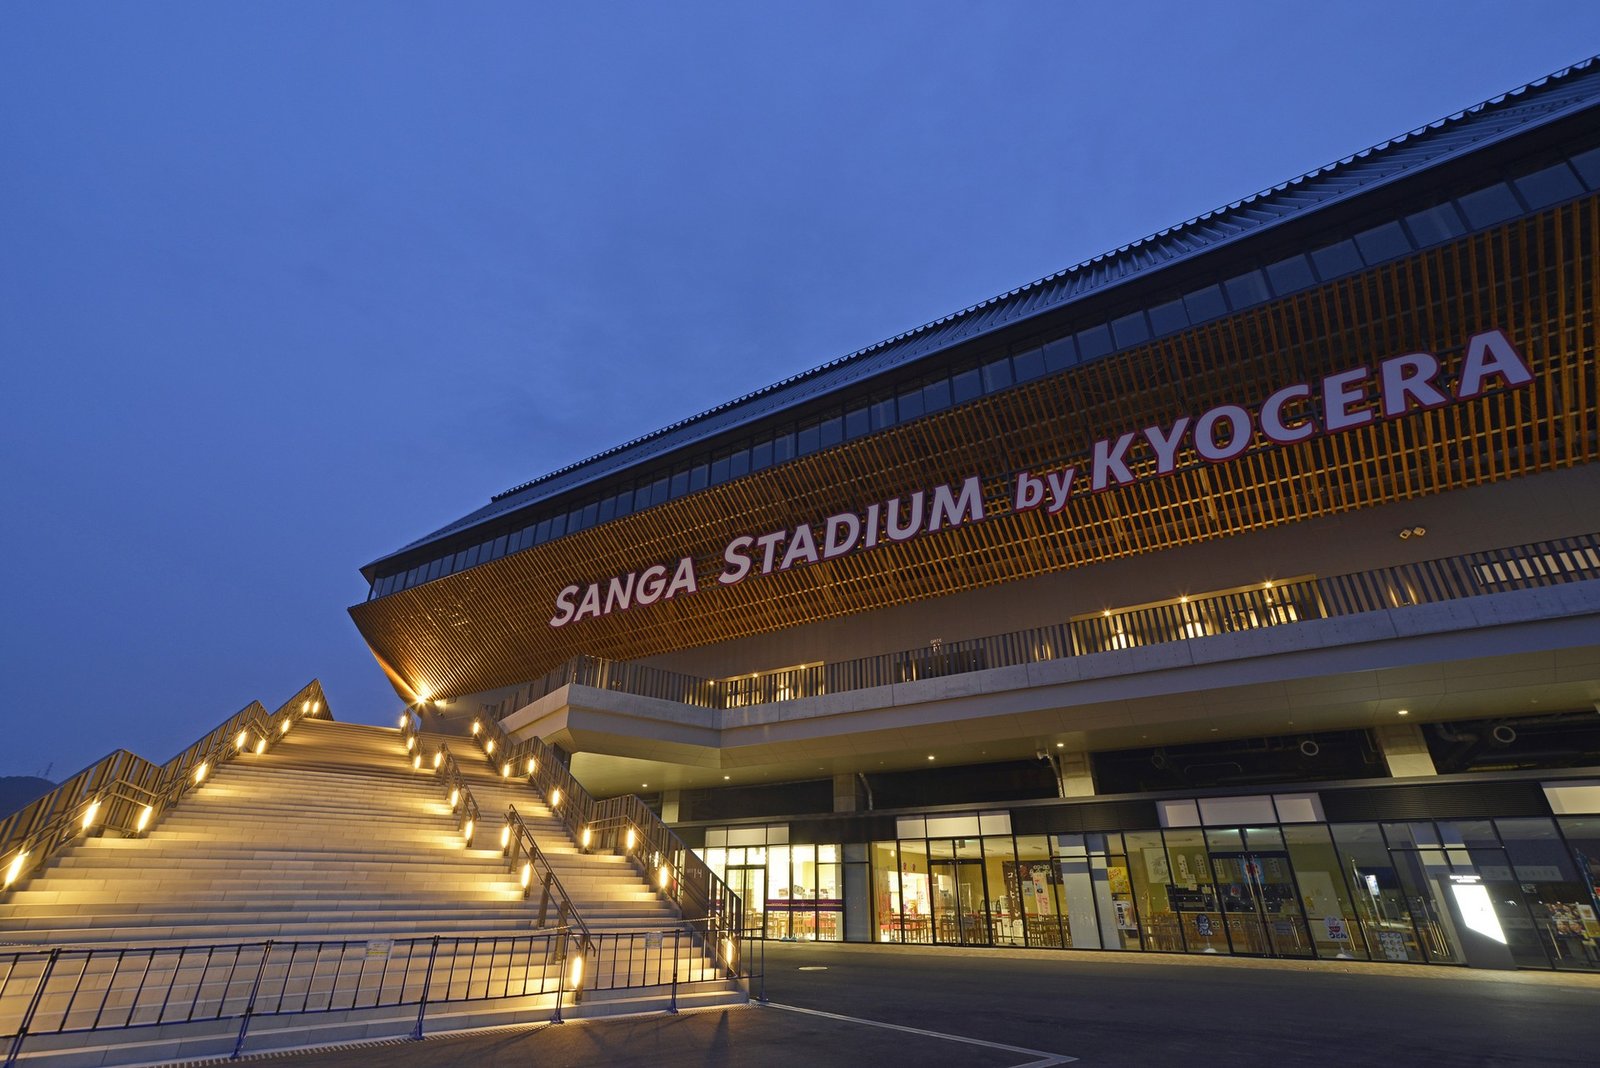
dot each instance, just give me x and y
(1041, 1058)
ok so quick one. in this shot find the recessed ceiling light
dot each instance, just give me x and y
(1061, 745)
(930, 756)
(1404, 712)
(725, 778)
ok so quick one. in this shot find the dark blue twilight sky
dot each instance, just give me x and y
(286, 285)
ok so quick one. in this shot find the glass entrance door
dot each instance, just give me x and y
(1257, 894)
(960, 912)
(751, 886)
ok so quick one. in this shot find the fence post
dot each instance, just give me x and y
(427, 981)
(559, 948)
(33, 1006)
(250, 1005)
(673, 1006)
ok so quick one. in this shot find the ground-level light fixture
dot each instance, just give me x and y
(455, 798)
(555, 797)
(91, 814)
(466, 832)
(14, 870)
(240, 740)
(200, 772)
(416, 761)
(477, 725)
(527, 874)
(261, 745)
(633, 837)
(489, 747)
(505, 836)
(144, 819)
(587, 835)
(577, 972)
(438, 758)
(283, 728)
(505, 770)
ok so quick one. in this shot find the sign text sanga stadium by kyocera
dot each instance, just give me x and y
(1333, 403)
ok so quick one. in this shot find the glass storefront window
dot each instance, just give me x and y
(886, 905)
(1034, 880)
(1330, 910)
(1379, 900)
(1192, 893)
(830, 895)
(778, 905)
(1115, 897)
(1583, 839)
(1552, 892)
(916, 892)
(1149, 875)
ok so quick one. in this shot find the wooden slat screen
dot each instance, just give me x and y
(1535, 278)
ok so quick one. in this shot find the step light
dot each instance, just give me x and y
(466, 832)
(455, 797)
(577, 972)
(477, 725)
(144, 819)
(632, 838)
(411, 742)
(416, 762)
(527, 874)
(488, 747)
(533, 765)
(405, 717)
(663, 876)
(261, 745)
(505, 837)
(14, 870)
(240, 740)
(505, 770)
(200, 773)
(587, 834)
(555, 798)
(91, 814)
(283, 728)
(438, 758)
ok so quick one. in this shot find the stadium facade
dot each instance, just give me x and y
(1236, 591)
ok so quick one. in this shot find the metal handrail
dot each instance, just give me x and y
(1529, 566)
(459, 795)
(689, 883)
(124, 792)
(520, 843)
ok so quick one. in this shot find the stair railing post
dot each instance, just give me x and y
(33, 1006)
(544, 897)
(427, 981)
(250, 1005)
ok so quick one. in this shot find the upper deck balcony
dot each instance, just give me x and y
(1498, 632)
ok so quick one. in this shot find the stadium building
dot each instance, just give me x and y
(1236, 591)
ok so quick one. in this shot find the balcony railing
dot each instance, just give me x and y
(1272, 604)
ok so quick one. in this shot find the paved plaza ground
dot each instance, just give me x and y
(876, 1007)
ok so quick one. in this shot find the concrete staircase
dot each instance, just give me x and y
(329, 837)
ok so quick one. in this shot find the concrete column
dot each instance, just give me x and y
(1077, 780)
(847, 793)
(669, 805)
(1404, 750)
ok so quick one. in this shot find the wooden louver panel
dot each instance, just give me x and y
(1534, 278)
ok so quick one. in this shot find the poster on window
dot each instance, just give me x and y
(1337, 931)
(1393, 944)
(1124, 914)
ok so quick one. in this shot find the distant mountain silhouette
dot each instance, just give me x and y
(18, 790)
